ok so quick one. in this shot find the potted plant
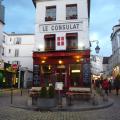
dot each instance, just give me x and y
(47, 97)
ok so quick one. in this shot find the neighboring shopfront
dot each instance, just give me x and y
(8, 76)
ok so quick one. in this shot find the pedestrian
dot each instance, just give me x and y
(117, 84)
(110, 86)
(105, 86)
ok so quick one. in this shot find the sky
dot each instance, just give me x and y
(104, 14)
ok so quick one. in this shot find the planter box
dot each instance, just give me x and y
(46, 102)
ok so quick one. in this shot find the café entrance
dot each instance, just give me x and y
(71, 68)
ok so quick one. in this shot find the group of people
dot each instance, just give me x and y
(108, 85)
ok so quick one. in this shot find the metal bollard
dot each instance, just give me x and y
(11, 95)
(21, 91)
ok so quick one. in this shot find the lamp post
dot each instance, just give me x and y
(19, 77)
(97, 48)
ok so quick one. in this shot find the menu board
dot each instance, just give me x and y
(86, 74)
(36, 75)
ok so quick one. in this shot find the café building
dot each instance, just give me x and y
(62, 51)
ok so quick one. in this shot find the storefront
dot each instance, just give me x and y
(7, 76)
(70, 67)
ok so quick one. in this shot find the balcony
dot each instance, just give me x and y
(49, 18)
(71, 17)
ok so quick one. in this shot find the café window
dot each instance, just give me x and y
(72, 41)
(75, 74)
(50, 13)
(46, 71)
(71, 11)
(49, 42)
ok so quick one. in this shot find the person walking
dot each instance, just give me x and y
(105, 86)
(117, 84)
(110, 86)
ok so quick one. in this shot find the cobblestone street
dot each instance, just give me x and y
(110, 113)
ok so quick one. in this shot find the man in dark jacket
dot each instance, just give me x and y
(117, 84)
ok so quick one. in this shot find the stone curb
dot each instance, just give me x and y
(95, 107)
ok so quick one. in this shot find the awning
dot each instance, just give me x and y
(49, 36)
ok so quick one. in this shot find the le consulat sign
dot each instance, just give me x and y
(60, 27)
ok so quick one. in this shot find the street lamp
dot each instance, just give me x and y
(97, 48)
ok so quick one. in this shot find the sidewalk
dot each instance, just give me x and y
(21, 102)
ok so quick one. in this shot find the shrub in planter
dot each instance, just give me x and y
(43, 92)
(51, 92)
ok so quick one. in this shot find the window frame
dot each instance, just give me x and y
(49, 38)
(16, 52)
(51, 17)
(72, 40)
(73, 15)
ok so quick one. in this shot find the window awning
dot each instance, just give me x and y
(49, 36)
(71, 34)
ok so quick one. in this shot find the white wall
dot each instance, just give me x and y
(96, 64)
(1, 39)
(25, 49)
(83, 38)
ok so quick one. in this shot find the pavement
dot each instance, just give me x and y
(18, 100)
(11, 113)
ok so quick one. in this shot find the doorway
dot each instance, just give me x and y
(61, 75)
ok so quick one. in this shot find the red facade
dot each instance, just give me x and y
(70, 67)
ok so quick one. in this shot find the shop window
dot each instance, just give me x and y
(46, 70)
(72, 41)
(50, 13)
(49, 42)
(71, 11)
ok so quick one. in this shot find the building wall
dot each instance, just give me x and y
(1, 39)
(82, 10)
(25, 49)
(96, 64)
(2, 11)
(115, 40)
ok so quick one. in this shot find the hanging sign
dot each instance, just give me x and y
(59, 86)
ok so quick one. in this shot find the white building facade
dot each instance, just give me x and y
(61, 17)
(96, 64)
(2, 11)
(115, 40)
(18, 49)
(62, 42)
